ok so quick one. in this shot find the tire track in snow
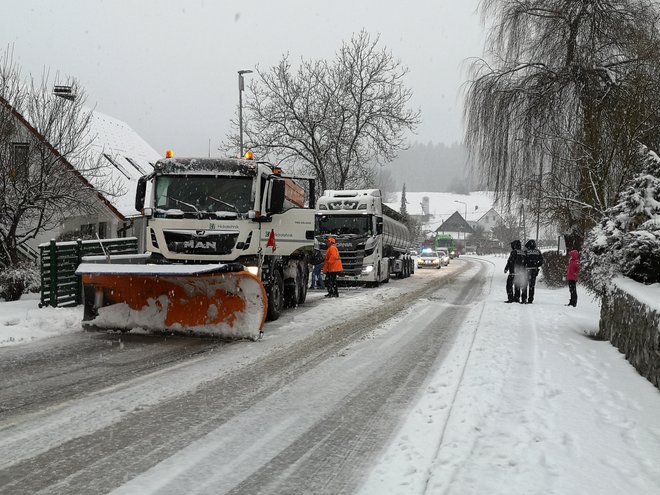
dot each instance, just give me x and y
(116, 453)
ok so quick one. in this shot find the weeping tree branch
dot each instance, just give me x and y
(572, 84)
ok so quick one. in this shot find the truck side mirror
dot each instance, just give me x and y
(379, 226)
(276, 196)
(140, 193)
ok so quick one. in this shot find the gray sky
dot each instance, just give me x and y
(169, 68)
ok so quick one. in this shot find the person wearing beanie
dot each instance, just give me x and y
(572, 275)
(332, 267)
(514, 266)
(534, 261)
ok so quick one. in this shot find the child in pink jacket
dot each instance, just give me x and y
(572, 275)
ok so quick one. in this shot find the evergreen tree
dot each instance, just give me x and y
(404, 207)
(627, 240)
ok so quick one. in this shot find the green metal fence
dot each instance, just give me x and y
(60, 286)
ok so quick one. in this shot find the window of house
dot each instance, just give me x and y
(123, 229)
(87, 230)
(103, 230)
(19, 160)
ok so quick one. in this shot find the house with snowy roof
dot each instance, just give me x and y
(487, 221)
(125, 157)
(120, 158)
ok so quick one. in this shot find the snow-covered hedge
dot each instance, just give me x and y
(627, 240)
(554, 268)
(16, 280)
(630, 320)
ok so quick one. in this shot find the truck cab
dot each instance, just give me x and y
(203, 210)
(372, 244)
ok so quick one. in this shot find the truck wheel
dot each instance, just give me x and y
(275, 297)
(303, 276)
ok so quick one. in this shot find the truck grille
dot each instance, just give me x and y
(200, 242)
(351, 260)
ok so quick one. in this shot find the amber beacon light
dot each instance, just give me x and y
(169, 154)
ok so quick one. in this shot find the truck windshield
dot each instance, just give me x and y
(204, 194)
(344, 224)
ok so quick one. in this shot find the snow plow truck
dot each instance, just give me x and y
(227, 247)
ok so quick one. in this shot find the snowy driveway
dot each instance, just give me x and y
(308, 409)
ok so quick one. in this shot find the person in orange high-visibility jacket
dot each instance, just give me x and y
(331, 267)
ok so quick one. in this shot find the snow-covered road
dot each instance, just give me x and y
(428, 385)
(307, 410)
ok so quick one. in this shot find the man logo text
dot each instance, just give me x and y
(199, 245)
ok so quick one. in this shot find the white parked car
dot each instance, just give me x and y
(443, 254)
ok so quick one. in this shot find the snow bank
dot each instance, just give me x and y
(23, 321)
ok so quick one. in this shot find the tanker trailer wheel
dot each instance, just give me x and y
(275, 297)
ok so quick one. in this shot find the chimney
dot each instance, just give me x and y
(425, 205)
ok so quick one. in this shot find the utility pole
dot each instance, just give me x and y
(241, 86)
(464, 233)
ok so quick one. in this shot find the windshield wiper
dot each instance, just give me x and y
(226, 204)
(186, 204)
(190, 205)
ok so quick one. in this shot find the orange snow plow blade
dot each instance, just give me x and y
(218, 300)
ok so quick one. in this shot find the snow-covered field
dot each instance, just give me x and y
(525, 402)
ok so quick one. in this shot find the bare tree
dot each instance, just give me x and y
(42, 137)
(384, 181)
(573, 84)
(337, 120)
(508, 229)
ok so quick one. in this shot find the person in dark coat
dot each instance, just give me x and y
(533, 262)
(332, 267)
(572, 275)
(514, 265)
(317, 271)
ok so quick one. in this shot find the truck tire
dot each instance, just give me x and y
(303, 274)
(275, 297)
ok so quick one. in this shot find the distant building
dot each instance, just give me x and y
(457, 227)
(489, 220)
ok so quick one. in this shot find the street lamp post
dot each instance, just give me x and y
(464, 204)
(241, 86)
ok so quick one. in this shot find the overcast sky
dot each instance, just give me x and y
(169, 68)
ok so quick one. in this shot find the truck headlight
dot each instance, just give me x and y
(254, 270)
(367, 269)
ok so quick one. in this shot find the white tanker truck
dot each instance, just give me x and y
(373, 242)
